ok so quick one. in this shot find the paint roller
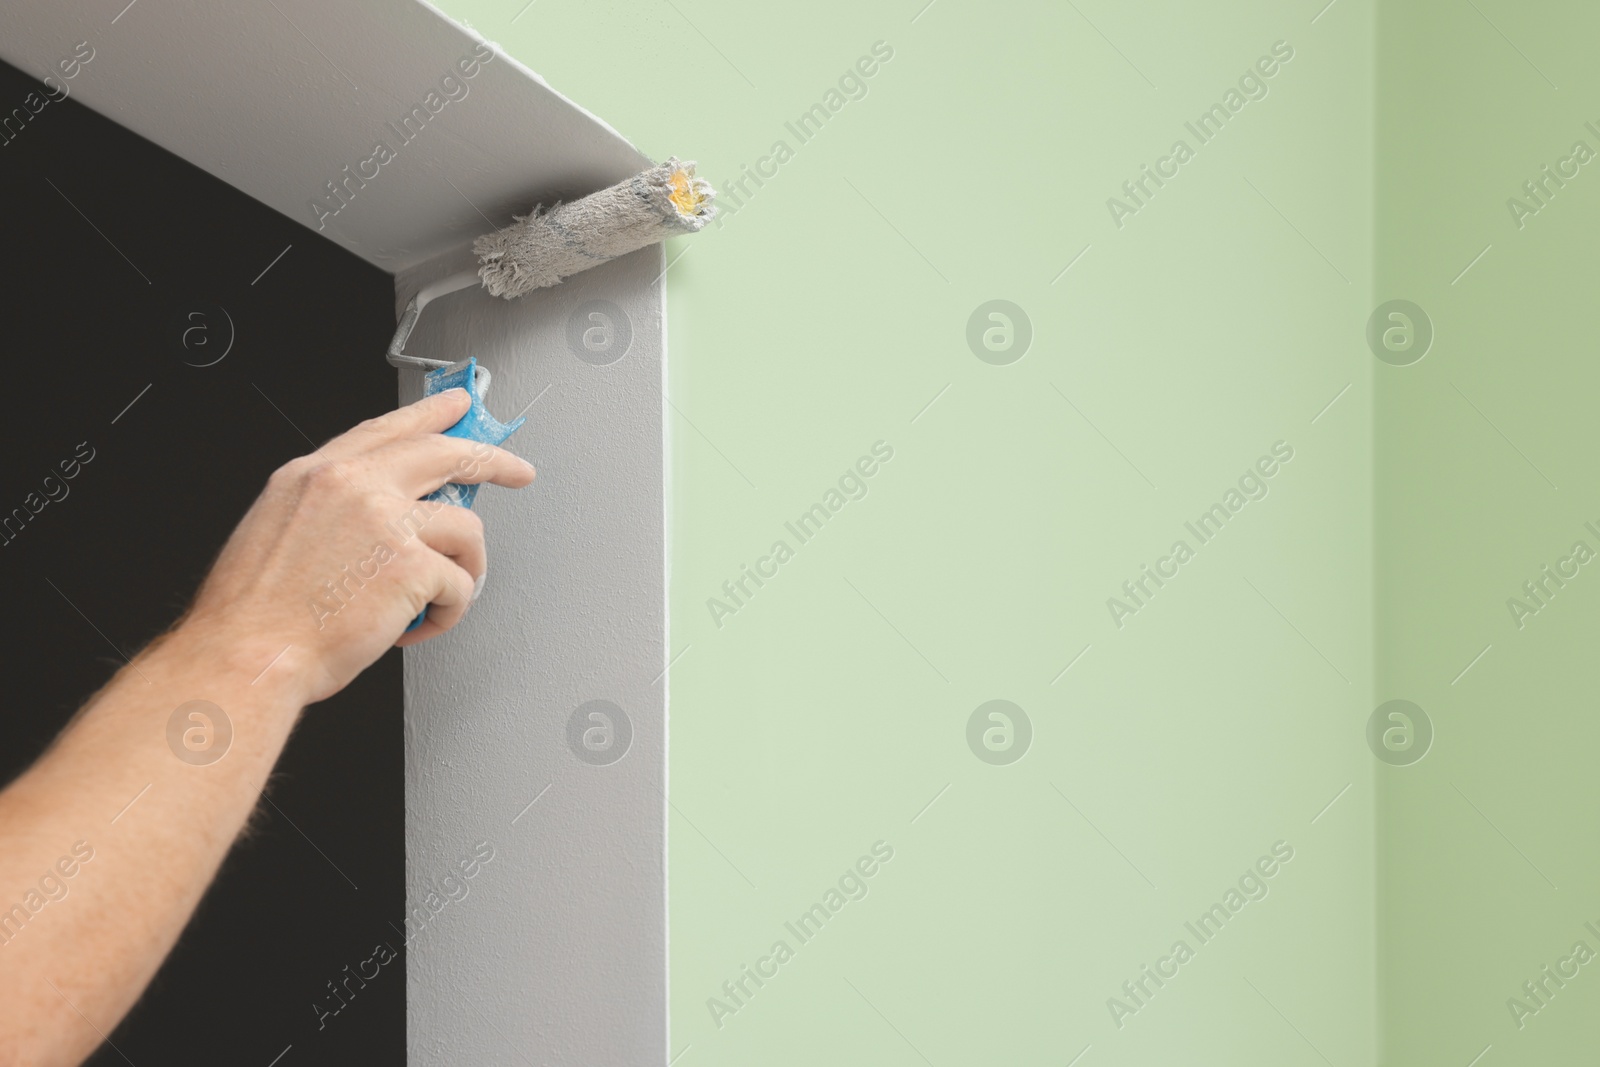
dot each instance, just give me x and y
(537, 251)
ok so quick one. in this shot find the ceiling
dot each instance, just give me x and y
(279, 97)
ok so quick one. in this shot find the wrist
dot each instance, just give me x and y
(225, 661)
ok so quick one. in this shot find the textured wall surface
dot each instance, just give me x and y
(536, 730)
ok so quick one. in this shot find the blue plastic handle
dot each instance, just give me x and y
(476, 425)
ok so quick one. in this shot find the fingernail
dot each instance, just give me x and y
(477, 586)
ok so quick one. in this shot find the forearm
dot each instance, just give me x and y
(158, 824)
(151, 818)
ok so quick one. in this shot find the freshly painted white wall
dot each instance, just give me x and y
(558, 953)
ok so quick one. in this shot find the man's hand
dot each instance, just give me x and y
(324, 574)
(339, 554)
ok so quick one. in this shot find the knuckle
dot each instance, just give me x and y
(468, 460)
(410, 564)
(324, 478)
(289, 474)
(403, 517)
(375, 507)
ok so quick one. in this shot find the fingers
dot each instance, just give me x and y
(416, 466)
(451, 593)
(430, 415)
(457, 534)
(405, 453)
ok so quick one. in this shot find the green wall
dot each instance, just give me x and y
(1484, 477)
(1216, 319)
